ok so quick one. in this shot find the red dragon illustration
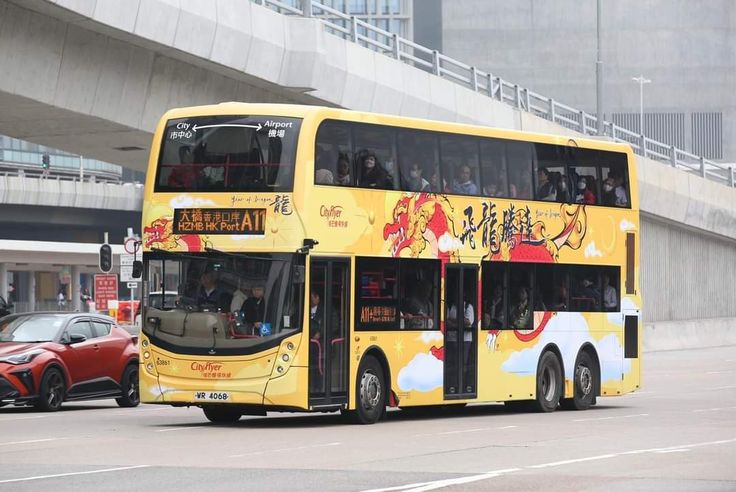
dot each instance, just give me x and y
(160, 234)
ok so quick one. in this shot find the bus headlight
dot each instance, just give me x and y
(285, 357)
(146, 354)
(289, 346)
(144, 343)
(149, 367)
(279, 369)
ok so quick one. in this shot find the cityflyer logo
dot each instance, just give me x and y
(206, 366)
(210, 370)
(333, 215)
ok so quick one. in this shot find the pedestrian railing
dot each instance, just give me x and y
(357, 31)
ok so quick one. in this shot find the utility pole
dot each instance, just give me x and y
(599, 74)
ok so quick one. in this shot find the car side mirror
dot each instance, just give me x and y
(76, 338)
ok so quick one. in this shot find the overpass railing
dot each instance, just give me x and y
(358, 31)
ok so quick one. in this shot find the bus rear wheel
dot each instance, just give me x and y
(222, 414)
(549, 383)
(370, 388)
(584, 384)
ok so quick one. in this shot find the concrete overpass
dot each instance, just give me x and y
(94, 76)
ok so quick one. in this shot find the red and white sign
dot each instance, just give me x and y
(106, 289)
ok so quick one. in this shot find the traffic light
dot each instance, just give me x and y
(45, 161)
(105, 261)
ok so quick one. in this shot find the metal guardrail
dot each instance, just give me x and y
(12, 168)
(353, 29)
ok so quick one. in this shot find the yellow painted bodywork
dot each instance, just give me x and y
(350, 222)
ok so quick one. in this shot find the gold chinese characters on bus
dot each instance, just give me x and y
(219, 220)
(377, 314)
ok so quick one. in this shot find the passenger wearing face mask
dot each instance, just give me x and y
(584, 194)
(416, 182)
(372, 174)
(609, 195)
(563, 194)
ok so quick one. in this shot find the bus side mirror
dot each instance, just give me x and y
(137, 269)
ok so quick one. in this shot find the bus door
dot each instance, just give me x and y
(329, 302)
(461, 331)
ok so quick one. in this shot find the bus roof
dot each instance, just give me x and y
(323, 112)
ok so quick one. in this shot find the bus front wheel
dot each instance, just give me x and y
(370, 397)
(222, 414)
(549, 382)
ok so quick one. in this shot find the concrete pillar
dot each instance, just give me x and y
(31, 291)
(75, 290)
(4, 281)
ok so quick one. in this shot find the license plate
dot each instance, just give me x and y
(212, 396)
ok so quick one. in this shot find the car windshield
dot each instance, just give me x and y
(228, 153)
(30, 328)
(227, 302)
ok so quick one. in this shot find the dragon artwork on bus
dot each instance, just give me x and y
(301, 258)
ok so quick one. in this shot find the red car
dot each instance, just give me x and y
(49, 358)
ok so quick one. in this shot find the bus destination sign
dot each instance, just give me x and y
(219, 220)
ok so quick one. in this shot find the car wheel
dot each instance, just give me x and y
(131, 396)
(51, 391)
(222, 414)
(549, 383)
(371, 393)
(585, 382)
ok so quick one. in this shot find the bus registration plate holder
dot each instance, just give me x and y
(211, 396)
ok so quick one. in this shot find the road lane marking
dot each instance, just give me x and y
(422, 487)
(493, 474)
(719, 372)
(481, 429)
(105, 470)
(297, 448)
(577, 460)
(25, 418)
(174, 429)
(32, 441)
(715, 409)
(613, 417)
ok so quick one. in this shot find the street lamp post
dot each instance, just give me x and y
(641, 81)
(599, 74)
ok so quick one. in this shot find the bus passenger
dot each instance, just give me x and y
(464, 184)
(584, 195)
(323, 176)
(546, 190)
(495, 308)
(372, 174)
(343, 170)
(416, 182)
(521, 318)
(609, 195)
(610, 298)
(210, 296)
(418, 309)
(436, 183)
(619, 191)
(254, 309)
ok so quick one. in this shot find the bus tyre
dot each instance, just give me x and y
(51, 391)
(549, 383)
(222, 414)
(129, 386)
(584, 384)
(370, 389)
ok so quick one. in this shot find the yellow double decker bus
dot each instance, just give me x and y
(301, 258)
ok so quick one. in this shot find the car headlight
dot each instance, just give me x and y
(22, 358)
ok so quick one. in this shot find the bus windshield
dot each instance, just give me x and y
(228, 153)
(230, 300)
